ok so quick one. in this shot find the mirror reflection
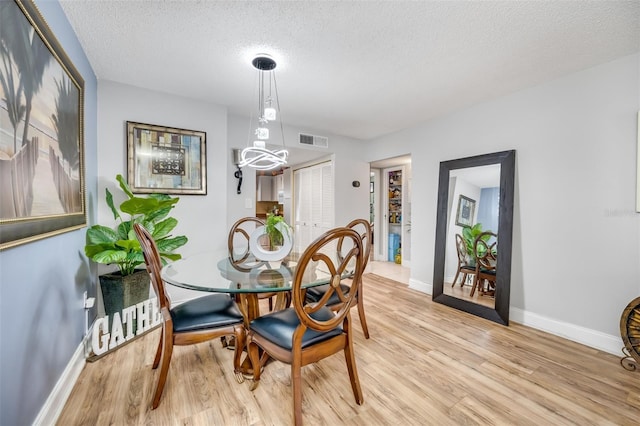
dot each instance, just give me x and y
(474, 214)
(471, 238)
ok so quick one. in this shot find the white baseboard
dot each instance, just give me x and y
(420, 286)
(592, 338)
(595, 339)
(54, 404)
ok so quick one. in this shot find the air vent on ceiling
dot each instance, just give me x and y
(313, 140)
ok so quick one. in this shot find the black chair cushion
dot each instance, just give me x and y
(216, 310)
(279, 326)
(314, 294)
(488, 271)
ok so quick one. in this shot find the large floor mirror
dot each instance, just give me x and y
(472, 266)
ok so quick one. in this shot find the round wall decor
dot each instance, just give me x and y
(630, 331)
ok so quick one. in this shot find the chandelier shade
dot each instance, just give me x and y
(258, 156)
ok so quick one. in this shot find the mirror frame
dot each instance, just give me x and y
(507, 160)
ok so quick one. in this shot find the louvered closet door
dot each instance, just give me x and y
(325, 220)
(314, 203)
(302, 200)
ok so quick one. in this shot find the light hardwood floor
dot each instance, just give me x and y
(425, 364)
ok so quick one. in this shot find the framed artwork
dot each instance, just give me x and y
(42, 131)
(166, 160)
(466, 209)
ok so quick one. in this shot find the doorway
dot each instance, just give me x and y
(391, 194)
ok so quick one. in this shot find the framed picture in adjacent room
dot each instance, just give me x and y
(466, 209)
(166, 160)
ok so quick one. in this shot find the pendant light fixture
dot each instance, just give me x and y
(258, 156)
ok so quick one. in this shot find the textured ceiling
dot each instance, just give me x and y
(359, 69)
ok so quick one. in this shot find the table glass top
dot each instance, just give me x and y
(215, 272)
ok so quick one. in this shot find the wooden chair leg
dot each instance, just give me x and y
(453, 283)
(296, 384)
(164, 369)
(475, 284)
(156, 360)
(464, 279)
(254, 356)
(481, 286)
(363, 319)
(240, 341)
(353, 371)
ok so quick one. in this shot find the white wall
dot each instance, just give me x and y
(203, 219)
(576, 241)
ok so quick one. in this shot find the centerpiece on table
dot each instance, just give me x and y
(279, 235)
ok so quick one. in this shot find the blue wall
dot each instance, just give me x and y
(42, 283)
(488, 209)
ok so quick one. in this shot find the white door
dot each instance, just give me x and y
(313, 203)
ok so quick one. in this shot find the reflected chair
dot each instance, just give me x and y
(463, 267)
(238, 244)
(485, 248)
(191, 322)
(310, 331)
(314, 294)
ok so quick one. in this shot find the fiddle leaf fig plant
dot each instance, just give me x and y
(119, 245)
(469, 234)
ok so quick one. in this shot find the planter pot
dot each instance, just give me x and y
(119, 292)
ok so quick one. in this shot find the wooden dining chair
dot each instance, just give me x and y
(238, 245)
(314, 294)
(463, 267)
(191, 322)
(310, 331)
(485, 248)
(238, 239)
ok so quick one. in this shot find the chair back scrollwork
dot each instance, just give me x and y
(317, 256)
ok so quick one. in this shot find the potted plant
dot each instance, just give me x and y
(469, 234)
(274, 230)
(119, 245)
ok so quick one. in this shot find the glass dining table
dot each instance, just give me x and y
(214, 271)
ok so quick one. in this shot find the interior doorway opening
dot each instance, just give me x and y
(390, 208)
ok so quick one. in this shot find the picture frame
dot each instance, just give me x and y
(166, 160)
(466, 210)
(42, 158)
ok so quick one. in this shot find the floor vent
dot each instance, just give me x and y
(313, 140)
